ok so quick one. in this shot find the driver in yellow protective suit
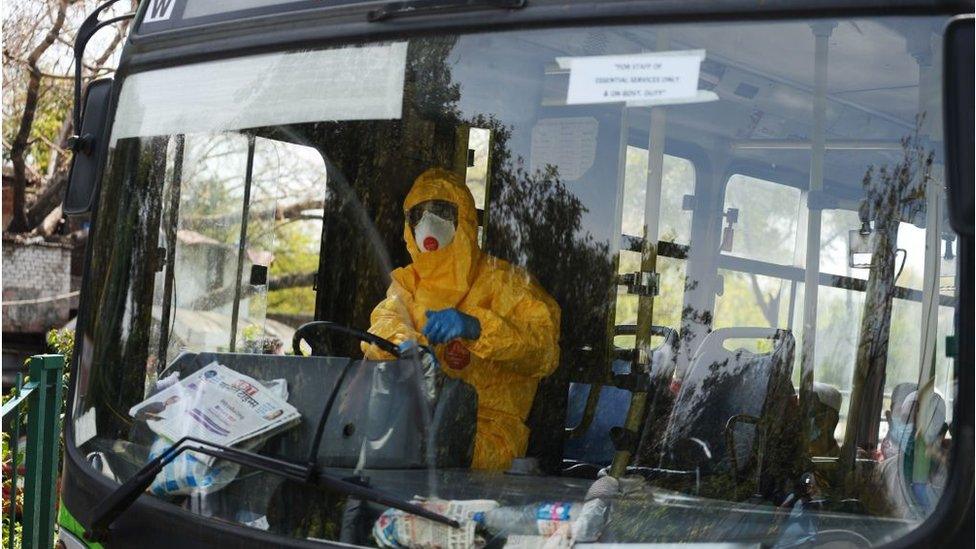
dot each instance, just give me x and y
(489, 322)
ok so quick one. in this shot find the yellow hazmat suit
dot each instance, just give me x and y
(519, 341)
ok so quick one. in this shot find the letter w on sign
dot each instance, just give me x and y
(159, 10)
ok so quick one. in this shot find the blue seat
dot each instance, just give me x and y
(593, 445)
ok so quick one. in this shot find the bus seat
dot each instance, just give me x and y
(726, 399)
(593, 444)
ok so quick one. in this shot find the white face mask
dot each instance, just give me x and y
(433, 233)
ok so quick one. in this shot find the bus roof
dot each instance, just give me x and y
(159, 16)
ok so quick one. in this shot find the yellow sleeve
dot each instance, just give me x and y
(520, 330)
(391, 320)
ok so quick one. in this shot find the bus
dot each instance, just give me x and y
(701, 276)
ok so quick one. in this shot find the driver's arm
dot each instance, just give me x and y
(520, 329)
(391, 320)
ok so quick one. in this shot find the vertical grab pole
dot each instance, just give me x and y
(811, 279)
(645, 308)
(242, 244)
(933, 257)
(43, 448)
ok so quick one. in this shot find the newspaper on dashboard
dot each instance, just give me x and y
(218, 405)
(399, 529)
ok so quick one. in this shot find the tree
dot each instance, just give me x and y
(891, 192)
(38, 75)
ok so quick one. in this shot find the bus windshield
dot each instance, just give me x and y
(625, 284)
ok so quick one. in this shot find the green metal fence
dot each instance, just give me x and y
(39, 402)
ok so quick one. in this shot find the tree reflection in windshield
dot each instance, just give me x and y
(536, 222)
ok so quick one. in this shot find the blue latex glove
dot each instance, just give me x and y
(447, 324)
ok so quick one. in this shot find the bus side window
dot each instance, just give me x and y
(766, 224)
(675, 226)
(840, 310)
(760, 226)
(297, 176)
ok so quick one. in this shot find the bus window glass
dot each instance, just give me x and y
(674, 224)
(766, 217)
(911, 264)
(476, 175)
(750, 299)
(667, 310)
(205, 187)
(293, 178)
(219, 280)
(520, 281)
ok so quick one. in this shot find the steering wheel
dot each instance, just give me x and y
(318, 326)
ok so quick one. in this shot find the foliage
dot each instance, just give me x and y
(537, 222)
(7, 468)
(61, 342)
(296, 250)
(37, 99)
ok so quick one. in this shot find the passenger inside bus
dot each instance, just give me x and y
(889, 445)
(907, 479)
(826, 414)
(489, 322)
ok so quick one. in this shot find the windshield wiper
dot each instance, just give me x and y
(125, 495)
(423, 7)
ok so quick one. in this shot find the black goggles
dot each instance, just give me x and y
(441, 208)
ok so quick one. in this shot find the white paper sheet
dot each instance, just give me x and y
(648, 78)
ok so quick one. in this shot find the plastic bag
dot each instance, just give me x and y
(187, 475)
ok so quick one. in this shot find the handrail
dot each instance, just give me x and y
(730, 446)
(23, 393)
(41, 397)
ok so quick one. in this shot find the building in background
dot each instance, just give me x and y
(38, 295)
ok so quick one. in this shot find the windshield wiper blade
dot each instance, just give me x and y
(422, 7)
(125, 495)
